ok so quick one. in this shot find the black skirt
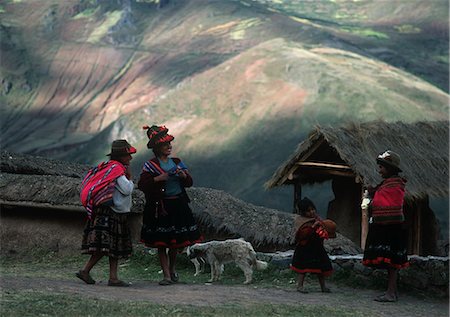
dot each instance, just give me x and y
(386, 246)
(107, 233)
(312, 258)
(170, 224)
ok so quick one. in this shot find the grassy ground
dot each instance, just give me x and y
(51, 304)
(142, 266)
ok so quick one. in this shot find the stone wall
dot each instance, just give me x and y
(426, 274)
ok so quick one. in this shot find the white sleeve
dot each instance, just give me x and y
(124, 185)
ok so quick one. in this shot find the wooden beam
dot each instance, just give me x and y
(325, 165)
(291, 171)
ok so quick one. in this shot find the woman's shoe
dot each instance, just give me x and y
(118, 283)
(85, 277)
(174, 277)
(385, 299)
(302, 290)
(165, 282)
(326, 290)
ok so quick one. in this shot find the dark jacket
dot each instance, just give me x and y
(154, 191)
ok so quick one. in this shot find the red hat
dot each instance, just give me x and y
(121, 147)
(157, 135)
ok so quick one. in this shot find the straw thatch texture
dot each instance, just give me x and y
(422, 146)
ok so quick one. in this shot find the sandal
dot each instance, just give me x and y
(174, 277)
(85, 277)
(165, 282)
(385, 299)
(118, 283)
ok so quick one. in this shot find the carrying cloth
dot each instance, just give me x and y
(98, 185)
(387, 203)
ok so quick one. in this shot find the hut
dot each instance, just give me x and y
(346, 157)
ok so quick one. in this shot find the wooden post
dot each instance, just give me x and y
(417, 229)
(297, 195)
(364, 218)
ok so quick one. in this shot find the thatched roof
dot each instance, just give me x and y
(422, 146)
(28, 181)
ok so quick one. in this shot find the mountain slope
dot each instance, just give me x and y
(237, 122)
(240, 83)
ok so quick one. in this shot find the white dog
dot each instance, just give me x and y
(217, 253)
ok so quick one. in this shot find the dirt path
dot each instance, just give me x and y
(213, 295)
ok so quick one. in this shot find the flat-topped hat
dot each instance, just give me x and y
(157, 135)
(121, 147)
(389, 159)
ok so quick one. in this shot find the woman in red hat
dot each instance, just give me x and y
(168, 223)
(387, 239)
(106, 194)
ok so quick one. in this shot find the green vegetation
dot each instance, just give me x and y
(111, 18)
(44, 303)
(86, 13)
(365, 32)
(238, 32)
(143, 266)
(407, 29)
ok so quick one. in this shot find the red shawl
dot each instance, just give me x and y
(387, 204)
(98, 185)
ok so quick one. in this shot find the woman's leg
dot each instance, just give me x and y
(392, 283)
(91, 262)
(172, 259)
(164, 262)
(83, 274)
(301, 279)
(322, 283)
(172, 262)
(113, 264)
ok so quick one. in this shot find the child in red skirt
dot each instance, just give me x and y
(310, 255)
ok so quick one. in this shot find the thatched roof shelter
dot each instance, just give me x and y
(422, 146)
(347, 156)
(35, 182)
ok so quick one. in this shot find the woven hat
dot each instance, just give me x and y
(330, 227)
(121, 147)
(157, 135)
(389, 159)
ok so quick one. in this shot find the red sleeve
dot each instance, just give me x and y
(146, 182)
(303, 233)
(187, 182)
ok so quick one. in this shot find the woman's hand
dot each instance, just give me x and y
(182, 173)
(128, 172)
(161, 178)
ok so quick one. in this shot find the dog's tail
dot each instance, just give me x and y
(261, 265)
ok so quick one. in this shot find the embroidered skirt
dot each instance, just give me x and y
(173, 226)
(386, 247)
(312, 258)
(107, 233)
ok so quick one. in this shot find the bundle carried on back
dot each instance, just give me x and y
(98, 185)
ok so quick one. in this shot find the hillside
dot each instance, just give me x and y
(239, 83)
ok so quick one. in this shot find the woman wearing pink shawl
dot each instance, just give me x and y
(106, 194)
